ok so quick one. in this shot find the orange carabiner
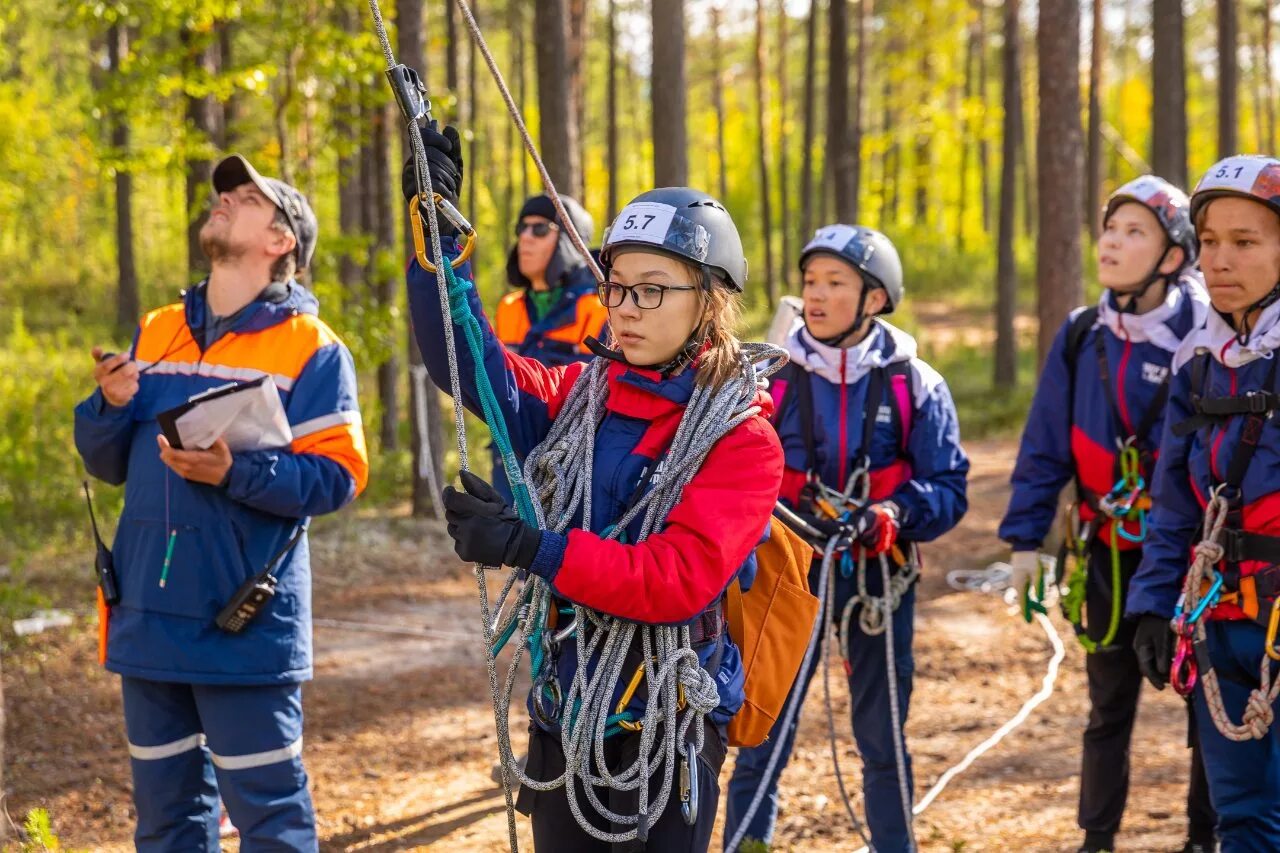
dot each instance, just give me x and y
(1272, 624)
(420, 246)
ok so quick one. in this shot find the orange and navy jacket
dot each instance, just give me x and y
(558, 337)
(1073, 434)
(678, 572)
(1191, 465)
(215, 537)
(916, 459)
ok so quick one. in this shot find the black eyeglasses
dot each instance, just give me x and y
(644, 295)
(540, 229)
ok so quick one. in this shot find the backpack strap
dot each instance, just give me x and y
(1141, 432)
(1076, 332)
(900, 375)
(876, 380)
(798, 379)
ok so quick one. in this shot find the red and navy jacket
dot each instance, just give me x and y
(1079, 417)
(222, 535)
(1193, 463)
(915, 455)
(556, 338)
(678, 572)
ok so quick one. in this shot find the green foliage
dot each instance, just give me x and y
(39, 832)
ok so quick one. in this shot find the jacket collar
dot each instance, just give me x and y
(1163, 326)
(269, 308)
(1218, 338)
(885, 344)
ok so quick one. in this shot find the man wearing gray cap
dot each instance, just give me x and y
(213, 704)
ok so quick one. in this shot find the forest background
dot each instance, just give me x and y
(981, 135)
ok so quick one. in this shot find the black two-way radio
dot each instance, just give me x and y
(103, 564)
(256, 592)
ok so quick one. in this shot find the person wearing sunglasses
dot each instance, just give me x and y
(553, 308)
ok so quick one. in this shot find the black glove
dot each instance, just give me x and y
(828, 527)
(444, 160)
(1153, 644)
(484, 529)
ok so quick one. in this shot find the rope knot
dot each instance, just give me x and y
(1209, 552)
(1258, 715)
(700, 690)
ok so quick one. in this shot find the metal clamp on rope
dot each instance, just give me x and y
(689, 785)
(410, 92)
(456, 219)
(1182, 674)
(629, 693)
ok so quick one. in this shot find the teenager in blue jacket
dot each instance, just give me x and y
(1096, 420)
(856, 406)
(1220, 456)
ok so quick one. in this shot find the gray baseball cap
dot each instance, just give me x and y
(235, 170)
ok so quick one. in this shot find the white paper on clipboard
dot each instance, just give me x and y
(247, 415)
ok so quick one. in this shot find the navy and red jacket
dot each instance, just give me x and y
(678, 572)
(916, 458)
(1191, 465)
(1077, 423)
(556, 338)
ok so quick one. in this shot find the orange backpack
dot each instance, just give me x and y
(771, 624)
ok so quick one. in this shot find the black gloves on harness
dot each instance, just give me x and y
(444, 161)
(1153, 644)
(485, 529)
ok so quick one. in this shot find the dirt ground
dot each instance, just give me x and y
(400, 739)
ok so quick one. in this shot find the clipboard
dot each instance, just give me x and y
(247, 415)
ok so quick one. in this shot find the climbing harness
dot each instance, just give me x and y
(1125, 506)
(1223, 539)
(875, 618)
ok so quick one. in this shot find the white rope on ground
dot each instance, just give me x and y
(995, 579)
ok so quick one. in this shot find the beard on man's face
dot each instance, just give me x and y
(215, 245)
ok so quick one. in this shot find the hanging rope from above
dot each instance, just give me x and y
(680, 692)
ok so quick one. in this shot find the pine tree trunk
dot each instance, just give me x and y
(855, 121)
(1006, 363)
(579, 22)
(522, 88)
(717, 101)
(1228, 80)
(1093, 168)
(473, 115)
(386, 287)
(201, 127)
(611, 116)
(1168, 93)
(840, 160)
(766, 210)
(966, 137)
(1060, 168)
(1268, 80)
(127, 304)
(784, 189)
(984, 147)
(231, 106)
(452, 80)
(425, 413)
(810, 122)
(924, 136)
(558, 132)
(668, 121)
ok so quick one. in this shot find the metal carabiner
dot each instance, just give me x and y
(1272, 624)
(456, 219)
(1183, 672)
(689, 785)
